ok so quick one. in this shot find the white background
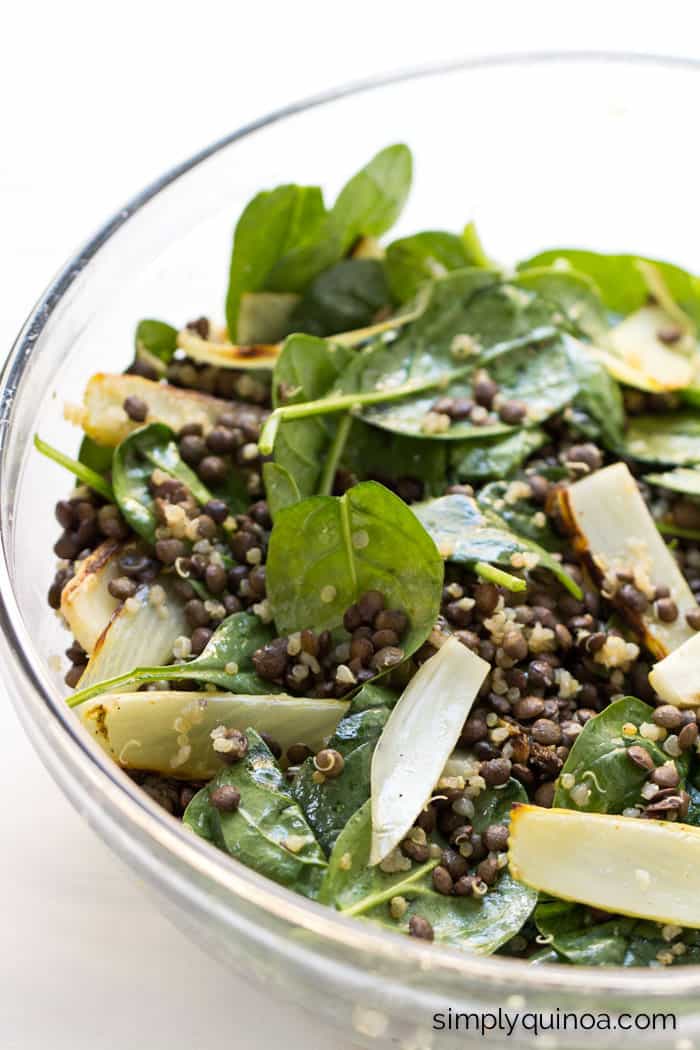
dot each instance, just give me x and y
(96, 100)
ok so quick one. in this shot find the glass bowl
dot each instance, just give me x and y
(583, 150)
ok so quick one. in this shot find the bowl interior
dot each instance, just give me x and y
(583, 152)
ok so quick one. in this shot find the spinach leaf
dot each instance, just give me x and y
(576, 932)
(345, 296)
(368, 204)
(85, 474)
(682, 479)
(619, 279)
(465, 534)
(495, 457)
(134, 459)
(157, 339)
(330, 805)
(575, 294)
(598, 397)
(306, 369)
(267, 832)
(478, 925)
(506, 324)
(227, 661)
(275, 223)
(96, 457)
(672, 439)
(412, 261)
(281, 489)
(521, 515)
(378, 455)
(599, 760)
(326, 551)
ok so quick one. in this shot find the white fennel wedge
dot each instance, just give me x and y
(613, 529)
(648, 869)
(676, 678)
(170, 731)
(418, 739)
(86, 604)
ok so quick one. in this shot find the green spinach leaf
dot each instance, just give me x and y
(330, 805)
(475, 925)
(672, 439)
(578, 934)
(465, 534)
(368, 204)
(598, 398)
(599, 761)
(281, 490)
(274, 224)
(495, 457)
(134, 459)
(507, 325)
(306, 370)
(267, 832)
(96, 457)
(326, 551)
(619, 279)
(345, 296)
(575, 294)
(83, 473)
(522, 516)
(157, 339)
(227, 662)
(412, 261)
(682, 479)
(378, 455)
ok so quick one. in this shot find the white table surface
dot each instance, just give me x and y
(96, 101)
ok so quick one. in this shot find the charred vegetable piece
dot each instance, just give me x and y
(649, 869)
(613, 529)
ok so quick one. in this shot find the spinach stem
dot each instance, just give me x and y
(499, 577)
(325, 485)
(85, 474)
(347, 402)
(668, 529)
(395, 889)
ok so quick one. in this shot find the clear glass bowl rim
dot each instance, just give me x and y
(138, 813)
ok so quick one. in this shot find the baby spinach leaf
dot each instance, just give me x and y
(371, 202)
(133, 462)
(411, 261)
(575, 294)
(520, 515)
(83, 473)
(97, 457)
(465, 534)
(507, 325)
(368, 204)
(281, 489)
(156, 338)
(227, 661)
(379, 455)
(598, 397)
(329, 806)
(345, 296)
(495, 457)
(274, 224)
(306, 369)
(576, 932)
(672, 439)
(682, 479)
(267, 832)
(599, 760)
(475, 925)
(326, 551)
(619, 278)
